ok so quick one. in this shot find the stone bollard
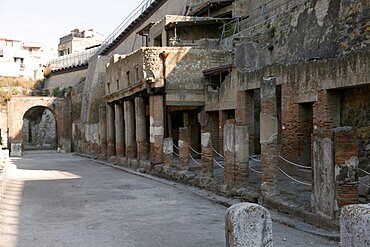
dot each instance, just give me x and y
(248, 225)
(207, 155)
(168, 151)
(16, 149)
(354, 225)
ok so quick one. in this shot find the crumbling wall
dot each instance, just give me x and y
(287, 32)
(355, 105)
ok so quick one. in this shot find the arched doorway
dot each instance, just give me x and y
(39, 129)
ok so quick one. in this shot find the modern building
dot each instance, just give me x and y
(22, 59)
(78, 41)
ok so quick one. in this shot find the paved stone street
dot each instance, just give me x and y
(63, 200)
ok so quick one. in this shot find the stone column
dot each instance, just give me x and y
(244, 114)
(268, 137)
(241, 166)
(103, 130)
(130, 130)
(323, 192)
(207, 155)
(111, 145)
(229, 151)
(156, 128)
(168, 151)
(120, 132)
(141, 137)
(184, 147)
(248, 224)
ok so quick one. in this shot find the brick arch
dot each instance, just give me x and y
(19, 105)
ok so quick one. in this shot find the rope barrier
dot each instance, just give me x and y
(194, 150)
(214, 160)
(364, 171)
(196, 162)
(176, 154)
(250, 168)
(217, 152)
(294, 164)
(300, 182)
(175, 146)
(254, 159)
(367, 186)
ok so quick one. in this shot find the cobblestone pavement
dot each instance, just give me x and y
(55, 199)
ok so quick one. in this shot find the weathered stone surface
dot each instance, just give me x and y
(16, 149)
(207, 155)
(248, 225)
(354, 225)
(323, 197)
(268, 137)
(168, 150)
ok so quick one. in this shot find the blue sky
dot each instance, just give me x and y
(47, 20)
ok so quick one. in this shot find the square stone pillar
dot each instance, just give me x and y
(111, 140)
(229, 152)
(268, 137)
(130, 132)
(120, 132)
(335, 170)
(244, 115)
(103, 130)
(241, 166)
(323, 191)
(207, 155)
(156, 128)
(168, 151)
(141, 129)
(184, 147)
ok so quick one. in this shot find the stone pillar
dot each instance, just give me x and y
(346, 166)
(221, 123)
(184, 147)
(229, 152)
(4, 137)
(141, 137)
(244, 114)
(207, 155)
(130, 130)
(156, 128)
(335, 170)
(111, 145)
(323, 192)
(168, 151)
(120, 132)
(248, 224)
(269, 137)
(241, 166)
(103, 130)
(354, 225)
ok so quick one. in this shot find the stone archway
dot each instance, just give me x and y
(39, 129)
(18, 106)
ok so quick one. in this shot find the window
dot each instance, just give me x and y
(128, 77)
(117, 81)
(108, 85)
(137, 74)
